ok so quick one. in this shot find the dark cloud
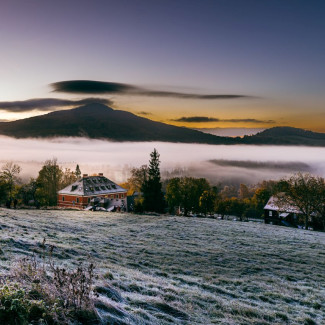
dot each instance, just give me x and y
(101, 87)
(47, 104)
(198, 119)
(144, 113)
(91, 87)
(248, 164)
(249, 120)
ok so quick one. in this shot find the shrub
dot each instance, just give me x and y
(50, 294)
(16, 307)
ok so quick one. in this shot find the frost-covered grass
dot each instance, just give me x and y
(174, 270)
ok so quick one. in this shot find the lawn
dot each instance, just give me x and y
(176, 270)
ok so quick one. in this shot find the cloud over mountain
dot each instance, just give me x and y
(101, 87)
(47, 104)
(205, 119)
(249, 120)
(144, 113)
(196, 119)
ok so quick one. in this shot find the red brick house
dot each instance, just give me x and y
(93, 190)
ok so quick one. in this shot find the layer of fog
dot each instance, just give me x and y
(115, 159)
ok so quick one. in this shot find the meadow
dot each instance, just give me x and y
(177, 270)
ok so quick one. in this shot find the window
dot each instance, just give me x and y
(122, 196)
(77, 200)
(116, 196)
(270, 213)
(63, 198)
(89, 200)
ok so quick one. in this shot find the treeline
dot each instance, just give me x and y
(177, 195)
(40, 191)
(188, 195)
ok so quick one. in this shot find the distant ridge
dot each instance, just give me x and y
(286, 135)
(98, 121)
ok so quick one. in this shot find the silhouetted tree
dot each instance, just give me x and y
(223, 207)
(77, 172)
(174, 194)
(27, 191)
(319, 204)
(153, 197)
(237, 207)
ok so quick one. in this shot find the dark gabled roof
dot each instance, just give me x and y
(92, 185)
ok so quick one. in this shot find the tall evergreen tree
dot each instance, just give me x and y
(153, 197)
(78, 172)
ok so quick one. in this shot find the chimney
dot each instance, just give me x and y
(100, 174)
(84, 175)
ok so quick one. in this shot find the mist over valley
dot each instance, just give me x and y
(217, 163)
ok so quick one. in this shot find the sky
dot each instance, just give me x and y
(200, 64)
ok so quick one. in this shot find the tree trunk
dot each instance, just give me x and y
(306, 222)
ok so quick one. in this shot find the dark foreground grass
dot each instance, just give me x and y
(172, 270)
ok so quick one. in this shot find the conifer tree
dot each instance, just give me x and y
(78, 172)
(153, 197)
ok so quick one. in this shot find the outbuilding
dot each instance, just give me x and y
(277, 215)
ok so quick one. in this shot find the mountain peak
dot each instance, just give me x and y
(94, 107)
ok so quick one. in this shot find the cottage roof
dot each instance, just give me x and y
(273, 205)
(92, 186)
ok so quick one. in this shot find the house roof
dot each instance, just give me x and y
(273, 205)
(92, 186)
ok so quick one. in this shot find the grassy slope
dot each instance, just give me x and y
(166, 267)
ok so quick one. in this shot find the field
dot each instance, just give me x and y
(176, 270)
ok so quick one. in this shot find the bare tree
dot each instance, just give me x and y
(137, 178)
